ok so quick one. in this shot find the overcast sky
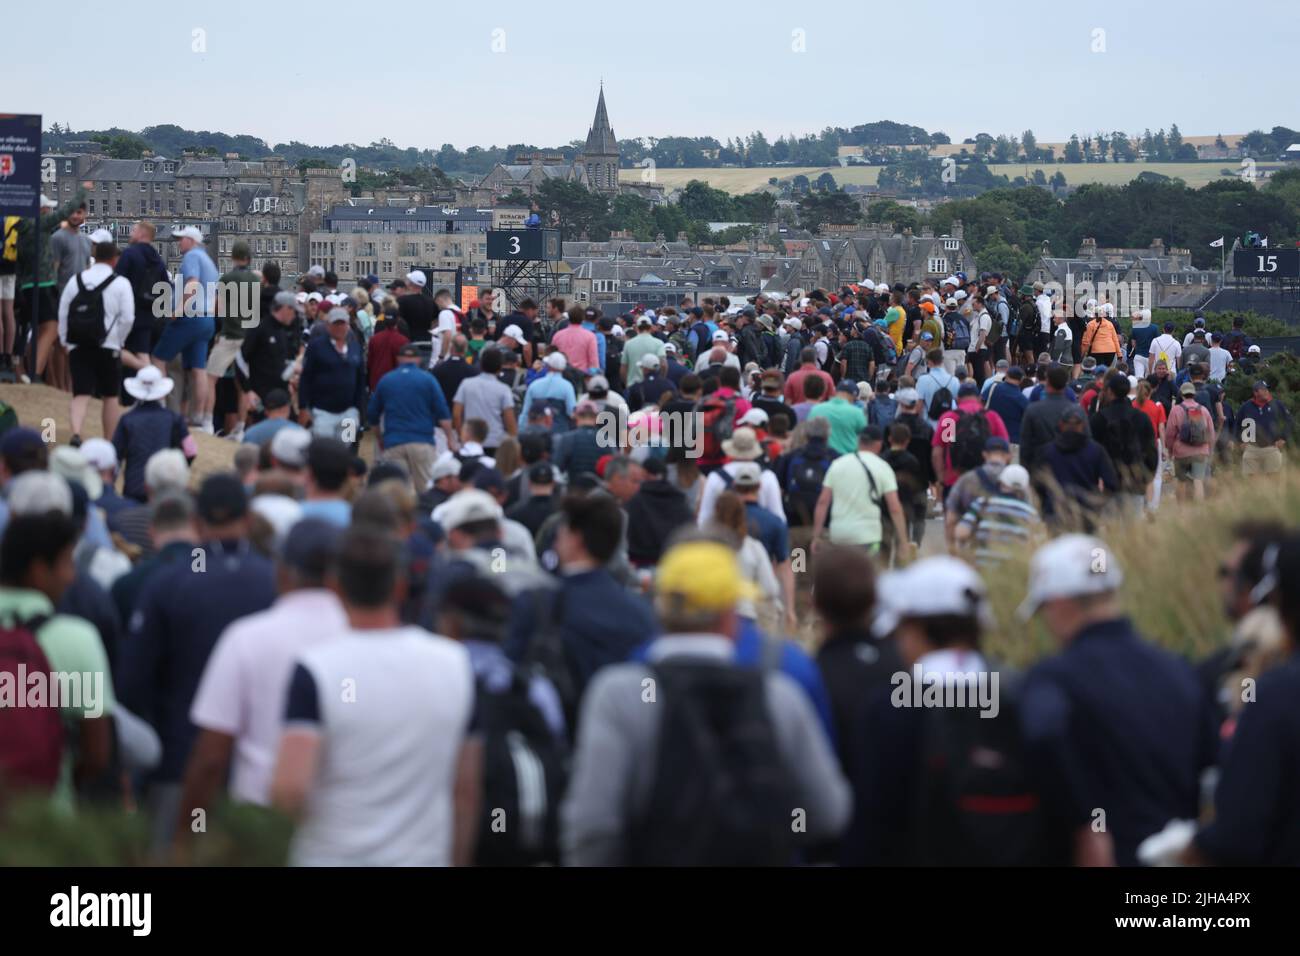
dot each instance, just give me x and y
(428, 73)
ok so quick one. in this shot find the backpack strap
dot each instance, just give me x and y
(875, 490)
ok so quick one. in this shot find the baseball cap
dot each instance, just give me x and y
(1014, 478)
(1073, 565)
(996, 443)
(416, 278)
(101, 236)
(907, 396)
(670, 349)
(701, 576)
(598, 385)
(99, 453)
(408, 351)
(950, 302)
(942, 586)
(337, 315)
(1261, 384)
(317, 270)
(36, 492)
(556, 361)
(514, 332)
(447, 466)
(221, 499)
(649, 361)
(927, 337)
(1253, 350)
(644, 322)
(721, 336)
(48, 203)
(541, 473)
(285, 298)
(848, 386)
(968, 389)
(187, 232)
(289, 446)
(1187, 388)
(755, 416)
(746, 474)
(467, 507)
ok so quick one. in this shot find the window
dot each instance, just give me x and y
(938, 264)
(144, 206)
(1205, 278)
(148, 167)
(90, 206)
(257, 205)
(157, 205)
(144, 187)
(952, 245)
(1173, 280)
(188, 205)
(119, 205)
(103, 187)
(207, 205)
(67, 165)
(118, 186)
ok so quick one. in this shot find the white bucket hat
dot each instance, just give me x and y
(149, 384)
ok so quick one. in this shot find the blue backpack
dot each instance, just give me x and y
(882, 411)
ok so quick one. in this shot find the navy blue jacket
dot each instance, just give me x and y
(411, 403)
(330, 381)
(181, 613)
(1117, 724)
(1272, 422)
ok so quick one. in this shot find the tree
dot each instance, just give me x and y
(579, 210)
(1030, 145)
(1122, 148)
(701, 202)
(800, 184)
(516, 197)
(825, 182)
(759, 152)
(818, 209)
(1073, 154)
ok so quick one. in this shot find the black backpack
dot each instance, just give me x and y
(525, 770)
(722, 795)
(804, 475)
(86, 314)
(971, 433)
(976, 805)
(940, 402)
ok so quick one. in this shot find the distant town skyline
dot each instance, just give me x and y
(519, 73)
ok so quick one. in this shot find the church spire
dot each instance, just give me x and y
(600, 138)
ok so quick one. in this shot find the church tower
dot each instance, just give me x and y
(600, 155)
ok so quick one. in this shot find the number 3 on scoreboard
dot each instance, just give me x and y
(514, 249)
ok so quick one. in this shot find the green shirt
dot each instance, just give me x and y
(846, 420)
(72, 646)
(636, 348)
(855, 509)
(239, 300)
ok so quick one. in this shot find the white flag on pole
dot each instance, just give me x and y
(1264, 242)
(1217, 243)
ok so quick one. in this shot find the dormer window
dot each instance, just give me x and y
(148, 167)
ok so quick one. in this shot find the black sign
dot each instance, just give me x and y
(522, 244)
(1266, 263)
(20, 165)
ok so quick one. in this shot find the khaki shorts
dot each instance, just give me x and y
(222, 355)
(418, 457)
(1261, 461)
(1192, 469)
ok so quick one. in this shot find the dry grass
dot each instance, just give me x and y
(37, 403)
(1170, 568)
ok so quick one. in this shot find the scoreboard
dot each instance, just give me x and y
(524, 244)
(1266, 263)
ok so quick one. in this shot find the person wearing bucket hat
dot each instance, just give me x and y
(147, 428)
(742, 446)
(611, 814)
(1111, 720)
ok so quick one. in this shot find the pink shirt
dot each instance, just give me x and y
(578, 346)
(946, 427)
(242, 692)
(794, 384)
(1177, 419)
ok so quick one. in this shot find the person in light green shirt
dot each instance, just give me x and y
(36, 567)
(846, 419)
(640, 345)
(861, 486)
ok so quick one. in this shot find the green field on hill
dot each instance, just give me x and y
(739, 181)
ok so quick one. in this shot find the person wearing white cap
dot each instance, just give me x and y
(1112, 722)
(192, 323)
(936, 613)
(96, 312)
(654, 384)
(1000, 525)
(554, 392)
(642, 344)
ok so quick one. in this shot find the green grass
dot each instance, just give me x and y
(739, 181)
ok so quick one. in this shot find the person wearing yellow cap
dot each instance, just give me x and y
(658, 742)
